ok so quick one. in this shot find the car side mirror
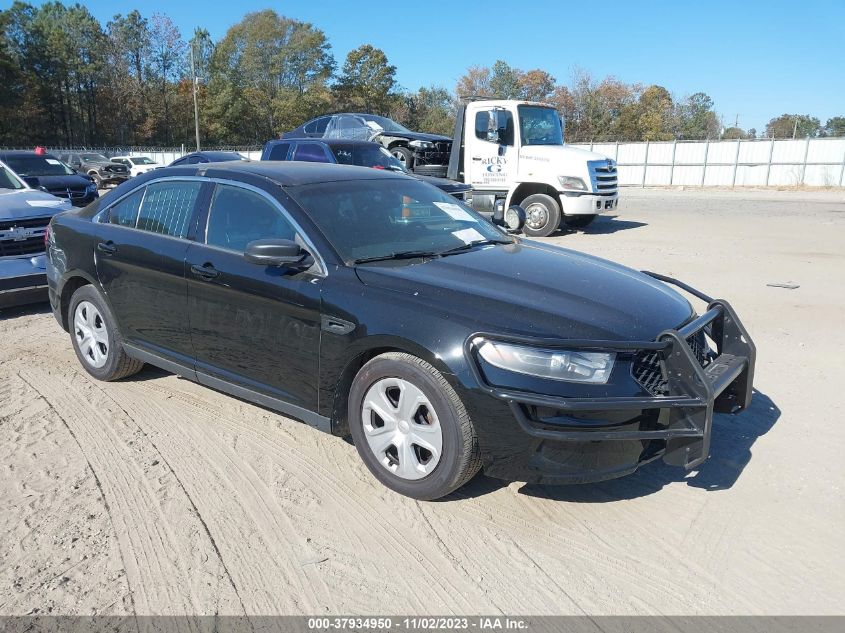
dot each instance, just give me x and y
(492, 126)
(271, 252)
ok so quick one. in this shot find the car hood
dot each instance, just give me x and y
(445, 184)
(554, 152)
(533, 289)
(62, 182)
(415, 136)
(29, 203)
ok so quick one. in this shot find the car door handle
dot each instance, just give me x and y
(206, 271)
(107, 248)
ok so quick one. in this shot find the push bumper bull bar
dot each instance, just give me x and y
(695, 392)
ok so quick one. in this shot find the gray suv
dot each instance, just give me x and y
(103, 170)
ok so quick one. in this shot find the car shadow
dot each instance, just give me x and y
(28, 309)
(606, 224)
(730, 453)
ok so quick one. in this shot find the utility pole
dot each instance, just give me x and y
(194, 83)
(795, 128)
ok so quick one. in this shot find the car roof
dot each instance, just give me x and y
(288, 173)
(23, 153)
(327, 141)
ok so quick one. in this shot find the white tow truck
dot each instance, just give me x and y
(512, 153)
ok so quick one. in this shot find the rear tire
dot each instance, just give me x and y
(96, 341)
(410, 427)
(542, 215)
(578, 221)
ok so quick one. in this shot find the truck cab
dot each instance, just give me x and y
(512, 153)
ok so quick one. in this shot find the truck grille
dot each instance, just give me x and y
(22, 237)
(649, 371)
(603, 176)
(71, 193)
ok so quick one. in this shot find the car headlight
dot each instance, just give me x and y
(571, 182)
(557, 364)
(421, 144)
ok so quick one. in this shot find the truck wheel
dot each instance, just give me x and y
(578, 221)
(96, 341)
(404, 156)
(542, 215)
(411, 428)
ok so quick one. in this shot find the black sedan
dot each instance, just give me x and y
(346, 152)
(370, 304)
(196, 158)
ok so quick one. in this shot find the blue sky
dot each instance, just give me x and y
(755, 59)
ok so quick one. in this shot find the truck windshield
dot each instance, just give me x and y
(539, 126)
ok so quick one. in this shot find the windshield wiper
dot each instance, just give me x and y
(471, 245)
(396, 255)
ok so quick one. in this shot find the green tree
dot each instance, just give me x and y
(656, 114)
(265, 64)
(428, 110)
(731, 133)
(793, 125)
(367, 81)
(535, 85)
(835, 126)
(475, 82)
(697, 120)
(504, 81)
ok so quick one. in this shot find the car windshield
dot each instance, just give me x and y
(391, 217)
(38, 166)
(373, 156)
(8, 180)
(94, 157)
(540, 126)
(388, 125)
(141, 160)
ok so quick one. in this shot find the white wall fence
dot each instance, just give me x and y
(818, 162)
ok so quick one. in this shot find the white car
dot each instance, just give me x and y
(137, 164)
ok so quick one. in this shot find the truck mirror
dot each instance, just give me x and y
(492, 126)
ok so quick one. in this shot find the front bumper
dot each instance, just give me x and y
(587, 203)
(111, 178)
(578, 440)
(23, 280)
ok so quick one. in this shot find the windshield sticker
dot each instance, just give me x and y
(455, 211)
(468, 235)
(53, 161)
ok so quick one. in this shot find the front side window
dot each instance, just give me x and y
(97, 158)
(376, 218)
(125, 212)
(8, 181)
(501, 124)
(310, 152)
(239, 216)
(141, 160)
(279, 151)
(168, 207)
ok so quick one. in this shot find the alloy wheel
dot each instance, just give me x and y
(91, 334)
(401, 428)
(536, 216)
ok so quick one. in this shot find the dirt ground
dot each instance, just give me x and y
(158, 496)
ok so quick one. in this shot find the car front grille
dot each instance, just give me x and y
(116, 169)
(22, 237)
(649, 369)
(72, 193)
(604, 177)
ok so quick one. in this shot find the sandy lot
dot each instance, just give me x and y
(158, 496)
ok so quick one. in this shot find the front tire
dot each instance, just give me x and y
(410, 427)
(542, 215)
(96, 341)
(404, 156)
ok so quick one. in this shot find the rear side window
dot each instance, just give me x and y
(239, 216)
(125, 212)
(278, 151)
(310, 152)
(168, 207)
